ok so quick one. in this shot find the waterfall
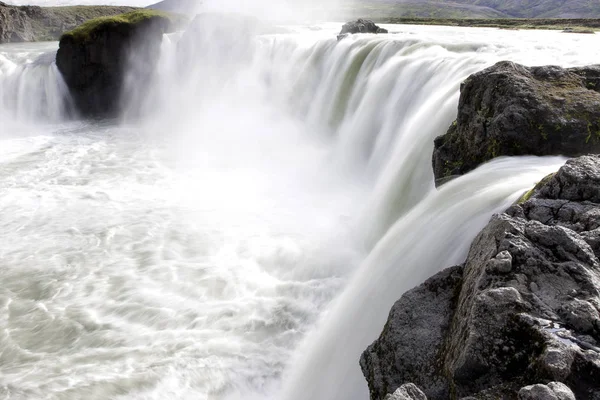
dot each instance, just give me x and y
(32, 88)
(434, 235)
(243, 229)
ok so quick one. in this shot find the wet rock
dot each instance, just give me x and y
(510, 110)
(523, 309)
(360, 26)
(94, 58)
(412, 340)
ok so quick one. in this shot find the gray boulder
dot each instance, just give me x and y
(360, 26)
(511, 110)
(523, 309)
(552, 391)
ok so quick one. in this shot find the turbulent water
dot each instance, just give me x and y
(242, 231)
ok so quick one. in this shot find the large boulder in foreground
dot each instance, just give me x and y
(360, 26)
(511, 110)
(520, 319)
(94, 57)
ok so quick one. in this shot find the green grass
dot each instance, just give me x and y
(527, 195)
(84, 31)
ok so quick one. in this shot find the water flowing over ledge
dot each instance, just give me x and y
(187, 249)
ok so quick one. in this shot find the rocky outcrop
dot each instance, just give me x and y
(511, 110)
(523, 311)
(32, 23)
(94, 57)
(359, 26)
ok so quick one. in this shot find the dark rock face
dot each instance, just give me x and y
(412, 339)
(360, 26)
(523, 310)
(94, 64)
(510, 110)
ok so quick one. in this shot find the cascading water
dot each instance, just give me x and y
(246, 227)
(31, 87)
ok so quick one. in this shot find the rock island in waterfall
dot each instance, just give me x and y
(299, 200)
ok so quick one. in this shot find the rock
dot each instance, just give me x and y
(94, 57)
(537, 392)
(360, 26)
(511, 110)
(552, 391)
(33, 23)
(523, 309)
(413, 337)
(407, 392)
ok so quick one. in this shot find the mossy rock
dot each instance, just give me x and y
(528, 194)
(94, 57)
(87, 31)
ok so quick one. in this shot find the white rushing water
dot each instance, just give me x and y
(243, 230)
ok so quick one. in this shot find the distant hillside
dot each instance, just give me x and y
(32, 23)
(473, 8)
(540, 8)
(176, 6)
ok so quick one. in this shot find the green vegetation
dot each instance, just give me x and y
(85, 30)
(527, 195)
(452, 168)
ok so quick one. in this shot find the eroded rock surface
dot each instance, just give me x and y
(510, 110)
(523, 310)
